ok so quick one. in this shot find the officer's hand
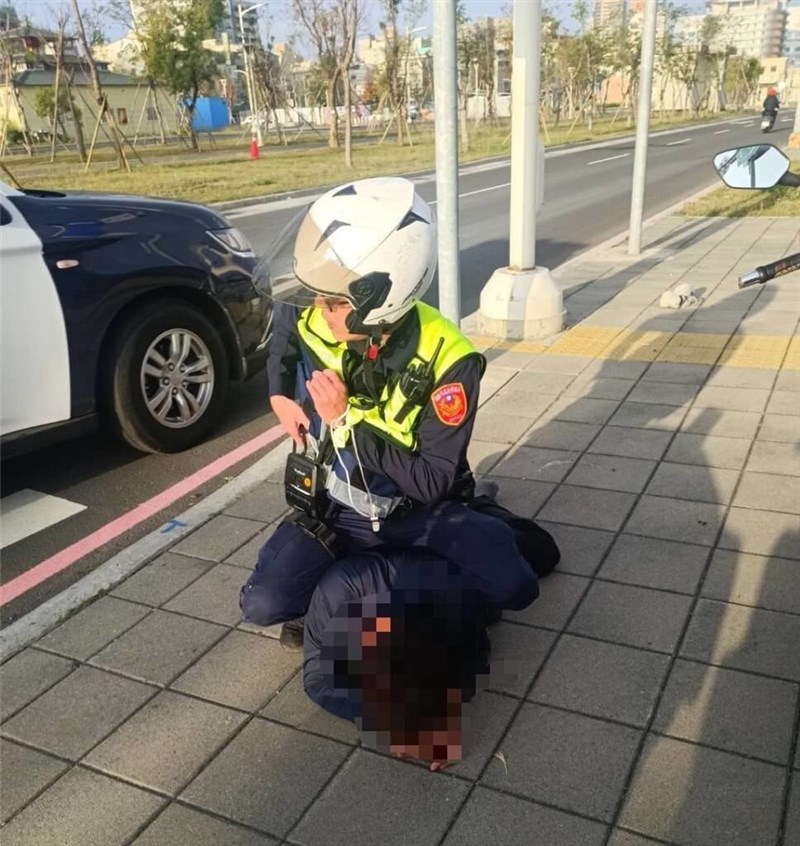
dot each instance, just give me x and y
(291, 416)
(329, 394)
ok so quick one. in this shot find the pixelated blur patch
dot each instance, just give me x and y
(450, 403)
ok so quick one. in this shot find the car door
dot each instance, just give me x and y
(34, 358)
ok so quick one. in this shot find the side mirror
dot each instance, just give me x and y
(759, 166)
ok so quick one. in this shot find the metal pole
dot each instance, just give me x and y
(446, 111)
(524, 134)
(248, 72)
(642, 126)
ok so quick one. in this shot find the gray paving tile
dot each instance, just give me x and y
(613, 473)
(213, 597)
(160, 580)
(180, 826)
(784, 402)
(626, 838)
(518, 404)
(582, 550)
(582, 410)
(685, 374)
(78, 712)
(645, 415)
(610, 369)
(569, 365)
(758, 490)
(733, 399)
(649, 562)
(412, 806)
(791, 833)
(708, 451)
(517, 653)
(165, 743)
(83, 808)
(491, 817)
(26, 773)
(92, 628)
(266, 503)
(26, 675)
(779, 427)
(771, 583)
(693, 482)
(788, 380)
(220, 537)
(485, 720)
(770, 457)
(601, 679)
(266, 776)
(741, 377)
(484, 455)
(294, 708)
(549, 753)
(762, 533)
(723, 424)
(560, 434)
(160, 647)
(631, 443)
(716, 706)
(559, 595)
(596, 387)
(538, 383)
(632, 615)
(500, 428)
(242, 671)
(686, 794)
(544, 465)
(522, 496)
(676, 519)
(744, 638)
(247, 556)
(594, 509)
(665, 393)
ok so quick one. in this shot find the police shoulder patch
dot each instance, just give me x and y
(450, 403)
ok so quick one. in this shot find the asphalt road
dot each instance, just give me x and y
(587, 197)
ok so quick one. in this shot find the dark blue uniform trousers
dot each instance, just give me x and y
(292, 562)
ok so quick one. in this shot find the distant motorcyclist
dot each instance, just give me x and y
(771, 103)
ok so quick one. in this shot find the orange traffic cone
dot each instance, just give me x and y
(254, 149)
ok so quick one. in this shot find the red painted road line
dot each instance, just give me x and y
(68, 556)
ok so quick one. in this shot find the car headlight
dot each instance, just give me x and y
(233, 239)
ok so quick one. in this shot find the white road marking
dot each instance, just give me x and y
(27, 512)
(786, 120)
(721, 131)
(607, 159)
(477, 191)
(682, 141)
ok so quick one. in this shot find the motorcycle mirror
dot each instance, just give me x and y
(759, 166)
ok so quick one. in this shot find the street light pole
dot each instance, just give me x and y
(446, 112)
(642, 126)
(248, 70)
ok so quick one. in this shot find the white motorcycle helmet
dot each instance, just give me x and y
(370, 242)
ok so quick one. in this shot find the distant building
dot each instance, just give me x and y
(791, 34)
(607, 11)
(752, 27)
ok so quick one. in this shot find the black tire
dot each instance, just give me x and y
(125, 404)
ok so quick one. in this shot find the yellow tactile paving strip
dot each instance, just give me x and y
(608, 343)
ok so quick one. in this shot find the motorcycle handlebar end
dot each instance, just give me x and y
(752, 278)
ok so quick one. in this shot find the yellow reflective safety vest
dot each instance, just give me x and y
(317, 337)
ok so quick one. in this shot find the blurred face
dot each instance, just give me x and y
(335, 312)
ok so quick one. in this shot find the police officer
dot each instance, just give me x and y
(385, 389)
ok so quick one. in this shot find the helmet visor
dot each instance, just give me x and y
(276, 276)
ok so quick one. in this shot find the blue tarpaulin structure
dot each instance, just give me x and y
(210, 113)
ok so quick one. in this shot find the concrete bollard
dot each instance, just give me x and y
(520, 305)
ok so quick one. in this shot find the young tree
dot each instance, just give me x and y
(171, 33)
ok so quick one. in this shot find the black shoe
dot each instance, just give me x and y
(292, 634)
(492, 615)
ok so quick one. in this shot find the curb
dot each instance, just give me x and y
(37, 622)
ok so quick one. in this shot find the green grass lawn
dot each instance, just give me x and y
(225, 172)
(730, 202)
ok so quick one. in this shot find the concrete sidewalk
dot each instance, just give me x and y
(656, 698)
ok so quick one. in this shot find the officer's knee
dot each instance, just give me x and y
(262, 606)
(519, 590)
